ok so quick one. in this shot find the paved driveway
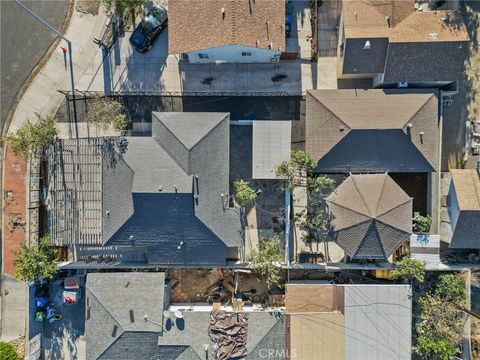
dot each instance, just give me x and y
(23, 43)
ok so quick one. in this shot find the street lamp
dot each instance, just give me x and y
(69, 43)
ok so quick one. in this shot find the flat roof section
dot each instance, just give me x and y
(271, 146)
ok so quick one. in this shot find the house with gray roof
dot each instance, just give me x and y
(370, 216)
(464, 209)
(373, 130)
(392, 41)
(128, 318)
(146, 201)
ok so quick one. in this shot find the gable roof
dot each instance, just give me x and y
(370, 216)
(398, 21)
(466, 233)
(160, 196)
(245, 22)
(116, 305)
(373, 130)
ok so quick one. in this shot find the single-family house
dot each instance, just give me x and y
(464, 209)
(348, 322)
(395, 44)
(158, 200)
(129, 317)
(233, 31)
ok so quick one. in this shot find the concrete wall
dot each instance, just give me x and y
(233, 54)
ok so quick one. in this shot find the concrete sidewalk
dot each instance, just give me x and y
(42, 96)
(14, 308)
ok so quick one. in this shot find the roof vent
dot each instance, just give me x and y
(114, 331)
(433, 36)
(257, 42)
(409, 125)
(222, 11)
(444, 18)
(160, 188)
(195, 196)
(107, 213)
(355, 14)
(179, 247)
(132, 316)
(367, 45)
(270, 45)
(341, 129)
(387, 19)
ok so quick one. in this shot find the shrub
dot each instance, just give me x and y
(451, 287)
(32, 138)
(105, 111)
(408, 268)
(8, 352)
(244, 194)
(34, 261)
(266, 259)
(421, 224)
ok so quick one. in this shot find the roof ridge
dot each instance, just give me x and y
(381, 193)
(361, 195)
(419, 109)
(106, 309)
(393, 208)
(329, 110)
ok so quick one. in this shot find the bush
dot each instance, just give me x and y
(451, 288)
(244, 194)
(421, 224)
(408, 268)
(104, 111)
(8, 352)
(266, 259)
(32, 138)
(34, 261)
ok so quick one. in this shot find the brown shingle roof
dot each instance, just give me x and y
(371, 216)
(368, 19)
(467, 188)
(345, 124)
(199, 24)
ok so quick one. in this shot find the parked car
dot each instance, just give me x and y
(153, 22)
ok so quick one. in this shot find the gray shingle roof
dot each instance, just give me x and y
(371, 216)
(116, 304)
(162, 196)
(406, 61)
(373, 130)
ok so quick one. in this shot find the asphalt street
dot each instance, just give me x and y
(24, 41)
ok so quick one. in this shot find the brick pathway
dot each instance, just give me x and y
(14, 195)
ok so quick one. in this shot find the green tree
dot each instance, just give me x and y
(36, 261)
(439, 328)
(451, 288)
(33, 137)
(408, 268)
(297, 170)
(105, 111)
(8, 352)
(266, 260)
(121, 7)
(421, 224)
(314, 219)
(244, 194)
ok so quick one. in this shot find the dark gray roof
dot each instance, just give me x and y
(157, 195)
(371, 216)
(265, 330)
(407, 61)
(116, 304)
(373, 130)
(359, 60)
(466, 234)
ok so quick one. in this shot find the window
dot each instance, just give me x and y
(246, 53)
(203, 56)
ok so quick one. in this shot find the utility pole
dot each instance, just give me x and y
(69, 43)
